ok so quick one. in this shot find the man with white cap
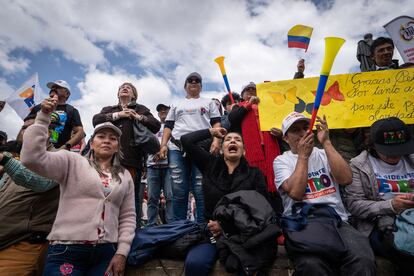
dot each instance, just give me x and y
(69, 116)
(311, 175)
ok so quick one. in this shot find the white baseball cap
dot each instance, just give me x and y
(292, 118)
(107, 125)
(60, 83)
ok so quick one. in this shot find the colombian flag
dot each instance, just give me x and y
(299, 37)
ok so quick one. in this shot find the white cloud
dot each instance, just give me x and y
(170, 39)
(35, 25)
(191, 33)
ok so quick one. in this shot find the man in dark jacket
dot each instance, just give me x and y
(123, 116)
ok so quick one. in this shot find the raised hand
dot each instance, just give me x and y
(322, 128)
(48, 105)
(276, 132)
(305, 145)
(301, 65)
(218, 132)
(254, 100)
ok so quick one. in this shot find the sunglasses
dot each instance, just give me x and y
(191, 80)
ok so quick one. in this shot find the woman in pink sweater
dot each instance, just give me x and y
(95, 222)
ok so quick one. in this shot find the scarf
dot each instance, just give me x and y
(261, 147)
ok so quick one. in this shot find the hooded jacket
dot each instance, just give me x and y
(362, 197)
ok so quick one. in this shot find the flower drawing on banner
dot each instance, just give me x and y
(66, 269)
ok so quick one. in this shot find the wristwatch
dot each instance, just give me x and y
(68, 146)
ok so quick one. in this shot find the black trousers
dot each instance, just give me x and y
(359, 260)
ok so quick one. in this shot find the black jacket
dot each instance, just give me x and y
(216, 180)
(132, 156)
(250, 230)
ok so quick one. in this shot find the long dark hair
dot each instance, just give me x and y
(116, 168)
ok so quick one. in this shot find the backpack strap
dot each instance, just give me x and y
(296, 221)
(323, 210)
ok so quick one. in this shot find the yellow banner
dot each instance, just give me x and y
(350, 100)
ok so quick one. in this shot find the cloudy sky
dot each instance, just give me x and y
(97, 45)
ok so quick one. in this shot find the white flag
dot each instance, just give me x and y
(23, 99)
(401, 30)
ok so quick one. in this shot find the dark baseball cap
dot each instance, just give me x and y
(162, 106)
(392, 137)
(194, 75)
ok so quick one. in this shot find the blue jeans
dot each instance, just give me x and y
(157, 179)
(185, 174)
(78, 259)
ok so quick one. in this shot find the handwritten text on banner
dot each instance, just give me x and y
(350, 100)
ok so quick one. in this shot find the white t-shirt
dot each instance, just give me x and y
(190, 115)
(393, 179)
(320, 189)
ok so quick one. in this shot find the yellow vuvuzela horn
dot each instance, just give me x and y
(332, 46)
(220, 61)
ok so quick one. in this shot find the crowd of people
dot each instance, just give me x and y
(71, 207)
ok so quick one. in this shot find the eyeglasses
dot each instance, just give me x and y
(191, 80)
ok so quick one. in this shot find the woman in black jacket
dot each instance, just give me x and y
(223, 174)
(123, 116)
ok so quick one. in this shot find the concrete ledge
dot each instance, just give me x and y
(281, 267)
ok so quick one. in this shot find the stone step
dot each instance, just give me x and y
(281, 267)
